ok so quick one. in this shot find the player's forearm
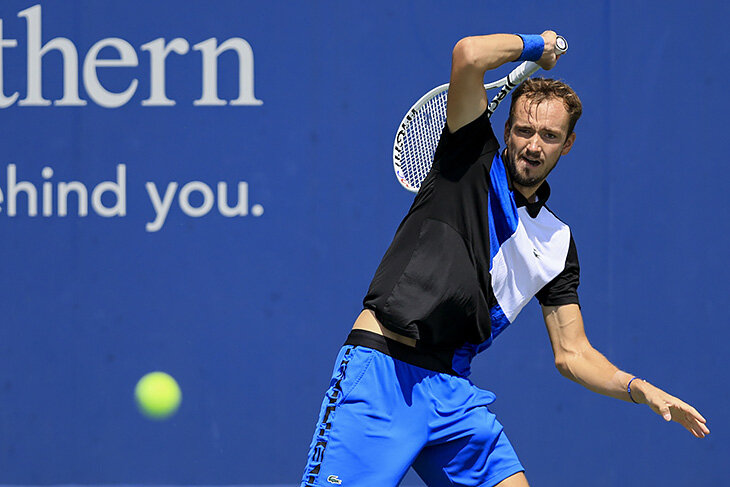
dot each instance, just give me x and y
(482, 53)
(592, 370)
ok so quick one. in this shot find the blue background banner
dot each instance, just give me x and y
(220, 218)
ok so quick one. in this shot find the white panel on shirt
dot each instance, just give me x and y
(533, 256)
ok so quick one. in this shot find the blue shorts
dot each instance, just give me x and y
(382, 415)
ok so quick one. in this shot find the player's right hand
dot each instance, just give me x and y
(549, 57)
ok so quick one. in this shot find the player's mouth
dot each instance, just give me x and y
(530, 162)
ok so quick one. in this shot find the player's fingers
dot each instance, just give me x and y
(697, 421)
(692, 423)
(697, 433)
(689, 424)
(697, 430)
(691, 413)
(549, 38)
(550, 35)
(696, 414)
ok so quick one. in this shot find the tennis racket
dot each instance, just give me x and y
(419, 131)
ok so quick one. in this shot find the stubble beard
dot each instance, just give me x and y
(516, 177)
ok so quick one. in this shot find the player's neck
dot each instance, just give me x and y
(530, 193)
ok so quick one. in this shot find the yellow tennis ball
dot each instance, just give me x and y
(158, 396)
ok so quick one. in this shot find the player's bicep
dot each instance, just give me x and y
(467, 99)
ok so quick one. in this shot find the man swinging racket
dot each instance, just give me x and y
(477, 244)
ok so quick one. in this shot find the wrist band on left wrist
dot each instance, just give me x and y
(628, 389)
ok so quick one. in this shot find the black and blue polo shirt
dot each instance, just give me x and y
(471, 252)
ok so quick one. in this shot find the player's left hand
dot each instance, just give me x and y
(670, 408)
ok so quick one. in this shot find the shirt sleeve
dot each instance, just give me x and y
(564, 288)
(463, 147)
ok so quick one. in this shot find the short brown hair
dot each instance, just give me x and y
(538, 90)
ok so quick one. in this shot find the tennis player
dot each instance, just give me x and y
(477, 244)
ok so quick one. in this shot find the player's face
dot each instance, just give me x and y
(536, 139)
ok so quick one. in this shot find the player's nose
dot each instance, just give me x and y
(533, 144)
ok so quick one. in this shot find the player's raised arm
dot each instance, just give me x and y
(474, 56)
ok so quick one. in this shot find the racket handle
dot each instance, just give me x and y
(521, 73)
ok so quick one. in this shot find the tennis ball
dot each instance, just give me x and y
(158, 396)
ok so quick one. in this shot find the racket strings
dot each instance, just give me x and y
(421, 139)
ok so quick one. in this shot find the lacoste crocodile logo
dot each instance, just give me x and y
(332, 479)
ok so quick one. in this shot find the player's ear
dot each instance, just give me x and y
(506, 130)
(568, 144)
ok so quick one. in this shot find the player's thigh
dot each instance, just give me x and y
(471, 448)
(364, 435)
(470, 461)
